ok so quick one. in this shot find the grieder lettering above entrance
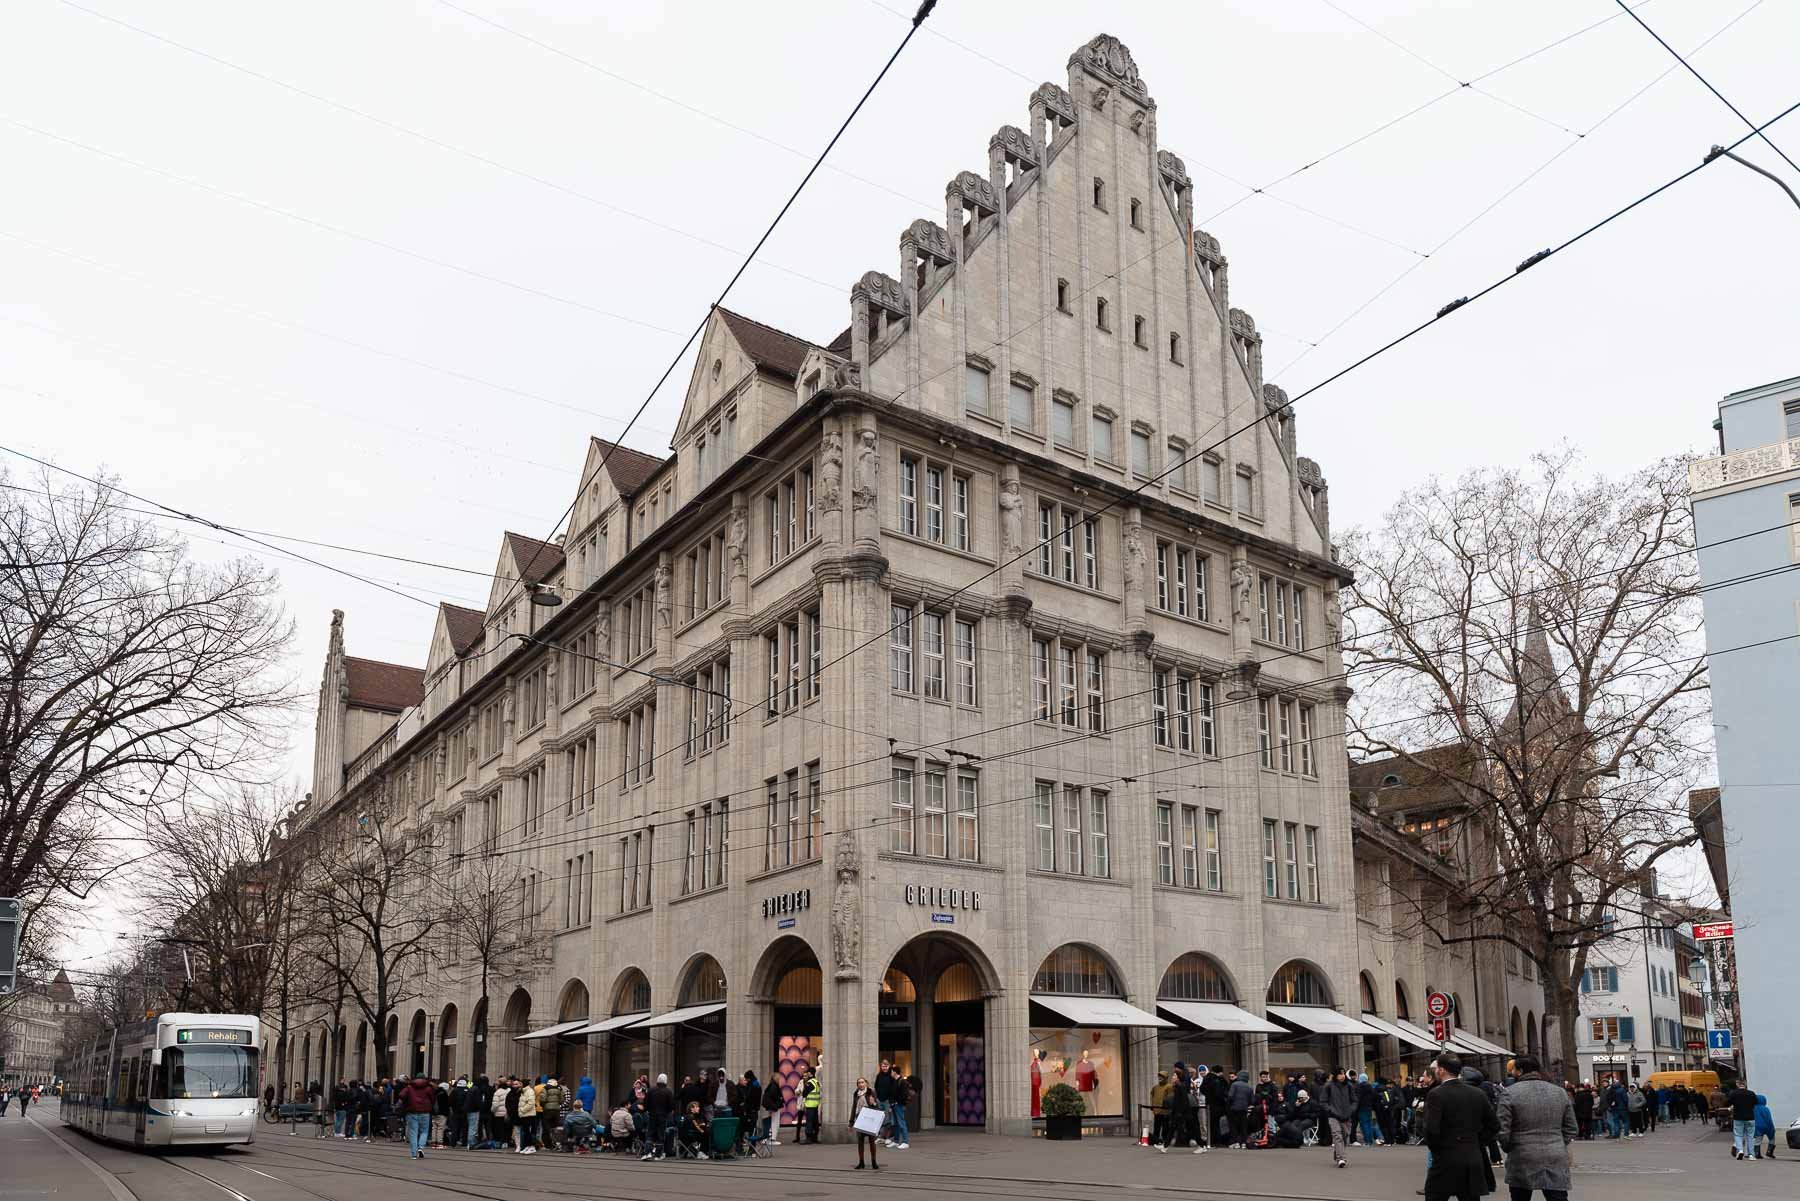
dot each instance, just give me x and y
(933, 896)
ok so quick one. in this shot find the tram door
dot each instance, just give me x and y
(143, 1094)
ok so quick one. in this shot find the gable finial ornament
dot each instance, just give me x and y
(1110, 59)
(976, 189)
(1055, 98)
(1172, 166)
(881, 289)
(929, 237)
(1275, 398)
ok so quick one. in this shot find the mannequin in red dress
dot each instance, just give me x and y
(1037, 1085)
(1086, 1076)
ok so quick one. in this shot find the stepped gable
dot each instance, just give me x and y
(536, 560)
(464, 627)
(767, 346)
(629, 469)
(388, 687)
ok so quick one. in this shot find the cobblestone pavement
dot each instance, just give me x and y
(1676, 1164)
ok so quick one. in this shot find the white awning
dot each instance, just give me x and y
(551, 1031)
(1426, 1038)
(1098, 1011)
(607, 1025)
(1420, 1039)
(1220, 1017)
(1482, 1046)
(675, 1017)
(1320, 1020)
(1460, 1042)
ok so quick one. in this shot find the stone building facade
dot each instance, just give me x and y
(955, 692)
(31, 1030)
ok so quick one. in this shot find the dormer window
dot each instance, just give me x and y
(812, 385)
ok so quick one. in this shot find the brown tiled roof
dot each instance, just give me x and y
(629, 468)
(841, 343)
(463, 625)
(536, 559)
(386, 686)
(1417, 787)
(767, 346)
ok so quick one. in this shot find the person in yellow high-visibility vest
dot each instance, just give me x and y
(811, 1093)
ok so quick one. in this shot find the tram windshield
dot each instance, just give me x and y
(210, 1071)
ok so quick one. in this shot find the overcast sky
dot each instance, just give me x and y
(370, 273)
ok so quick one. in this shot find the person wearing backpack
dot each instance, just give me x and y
(773, 1101)
(555, 1100)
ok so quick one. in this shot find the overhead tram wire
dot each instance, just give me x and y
(923, 12)
(1130, 779)
(1083, 733)
(340, 231)
(1709, 87)
(1456, 233)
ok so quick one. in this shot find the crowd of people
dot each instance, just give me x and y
(1200, 1107)
(655, 1119)
(24, 1094)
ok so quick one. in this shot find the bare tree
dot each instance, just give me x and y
(1527, 642)
(494, 914)
(223, 885)
(127, 673)
(378, 900)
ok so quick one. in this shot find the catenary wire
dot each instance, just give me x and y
(1505, 195)
(1128, 779)
(1083, 733)
(339, 230)
(923, 12)
(1762, 134)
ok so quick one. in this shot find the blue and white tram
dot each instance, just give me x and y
(187, 1079)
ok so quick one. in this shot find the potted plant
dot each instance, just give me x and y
(1062, 1108)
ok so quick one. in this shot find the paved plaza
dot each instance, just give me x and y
(43, 1159)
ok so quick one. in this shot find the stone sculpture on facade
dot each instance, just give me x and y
(868, 471)
(1012, 516)
(665, 595)
(737, 541)
(1241, 580)
(846, 909)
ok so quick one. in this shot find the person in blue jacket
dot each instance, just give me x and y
(586, 1092)
(1764, 1129)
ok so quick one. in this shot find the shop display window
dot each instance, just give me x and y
(1092, 1061)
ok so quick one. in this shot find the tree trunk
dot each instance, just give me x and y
(1563, 1003)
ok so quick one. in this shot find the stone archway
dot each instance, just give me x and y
(478, 1035)
(515, 1019)
(941, 1037)
(569, 1056)
(1516, 1029)
(1197, 976)
(413, 1062)
(787, 989)
(1298, 985)
(362, 1051)
(448, 1038)
(628, 1050)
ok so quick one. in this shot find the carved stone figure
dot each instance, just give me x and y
(737, 541)
(846, 909)
(665, 595)
(1334, 619)
(550, 692)
(1109, 58)
(1134, 555)
(831, 475)
(506, 711)
(1101, 95)
(603, 627)
(1012, 516)
(1241, 579)
(868, 471)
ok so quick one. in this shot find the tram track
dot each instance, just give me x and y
(669, 1185)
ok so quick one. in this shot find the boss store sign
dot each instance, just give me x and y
(933, 897)
(784, 903)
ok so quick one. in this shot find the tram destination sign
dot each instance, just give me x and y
(211, 1034)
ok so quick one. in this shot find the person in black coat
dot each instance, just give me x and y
(1459, 1123)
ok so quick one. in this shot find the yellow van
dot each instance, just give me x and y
(1705, 1082)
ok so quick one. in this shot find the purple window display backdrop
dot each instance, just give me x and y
(971, 1080)
(793, 1054)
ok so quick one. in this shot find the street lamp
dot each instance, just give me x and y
(1720, 151)
(1609, 1055)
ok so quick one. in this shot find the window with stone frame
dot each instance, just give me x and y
(709, 707)
(1068, 545)
(1073, 826)
(934, 811)
(1068, 683)
(935, 502)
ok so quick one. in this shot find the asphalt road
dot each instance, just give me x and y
(1676, 1164)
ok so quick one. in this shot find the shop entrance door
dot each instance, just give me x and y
(961, 1063)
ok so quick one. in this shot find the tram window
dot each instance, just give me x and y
(143, 1077)
(211, 1071)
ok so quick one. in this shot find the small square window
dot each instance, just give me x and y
(1100, 194)
(1138, 326)
(1140, 453)
(1137, 213)
(1062, 415)
(1021, 405)
(975, 389)
(1062, 295)
(1100, 316)
(1103, 438)
(1175, 348)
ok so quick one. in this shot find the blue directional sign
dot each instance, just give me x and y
(1718, 1040)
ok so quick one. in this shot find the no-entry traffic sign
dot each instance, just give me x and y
(1438, 1004)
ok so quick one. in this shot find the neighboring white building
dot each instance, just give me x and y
(31, 1030)
(1632, 994)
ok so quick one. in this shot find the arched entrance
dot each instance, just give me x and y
(415, 1044)
(305, 1060)
(571, 1054)
(478, 1031)
(699, 1039)
(933, 1014)
(515, 1020)
(1299, 986)
(628, 1053)
(790, 986)
(1402, 1010)
(391, 1059)
(1088, 1053)
(1517, 1029)
(1198, 977)
(1531, 1036)
(447, 1036)
(362, 1050)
